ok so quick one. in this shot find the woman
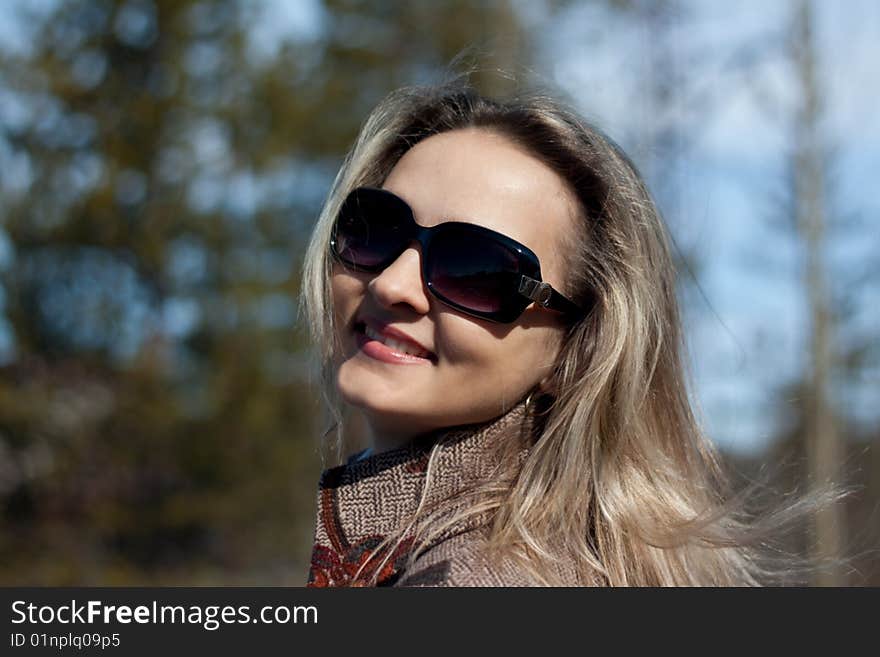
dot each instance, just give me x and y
(491, 286)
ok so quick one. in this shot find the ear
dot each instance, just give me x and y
(543, 386)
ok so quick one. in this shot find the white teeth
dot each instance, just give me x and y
(394, 344)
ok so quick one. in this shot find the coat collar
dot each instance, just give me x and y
(364, 500)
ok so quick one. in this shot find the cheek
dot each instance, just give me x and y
(346, 291)
(346, 294)
(507, 367)
(490, 358)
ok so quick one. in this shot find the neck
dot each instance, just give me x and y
(384, 437)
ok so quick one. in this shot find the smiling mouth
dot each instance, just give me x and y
(404, 349)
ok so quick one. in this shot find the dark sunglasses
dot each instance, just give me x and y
(473, 269)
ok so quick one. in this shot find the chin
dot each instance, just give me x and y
(379, 407)
(359, 387)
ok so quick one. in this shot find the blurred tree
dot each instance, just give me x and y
(155, 414)
(820, 425)
(824, 447)
(156, 419)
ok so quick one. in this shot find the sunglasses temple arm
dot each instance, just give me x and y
(544, 295)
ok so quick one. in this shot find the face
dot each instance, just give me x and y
(477, 368)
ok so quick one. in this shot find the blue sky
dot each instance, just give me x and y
(748, 336)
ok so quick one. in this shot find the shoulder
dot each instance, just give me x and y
(461, 561)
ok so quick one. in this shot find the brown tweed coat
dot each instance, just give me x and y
(362, 501)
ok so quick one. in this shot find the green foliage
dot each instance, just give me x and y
(156, 419)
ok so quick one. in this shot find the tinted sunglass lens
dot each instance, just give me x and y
(370, 230)
(472, 272)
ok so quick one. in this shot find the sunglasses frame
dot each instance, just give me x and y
(529, 286)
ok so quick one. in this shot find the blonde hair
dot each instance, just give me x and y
(621, 483)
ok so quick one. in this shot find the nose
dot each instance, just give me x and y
(401, 283)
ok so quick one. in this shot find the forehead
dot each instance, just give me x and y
(480, 177)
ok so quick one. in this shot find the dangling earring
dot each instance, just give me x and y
(528, 402)
(535, 402)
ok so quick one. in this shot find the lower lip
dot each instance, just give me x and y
(379, 351)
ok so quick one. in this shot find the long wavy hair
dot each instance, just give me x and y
(622, 483)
